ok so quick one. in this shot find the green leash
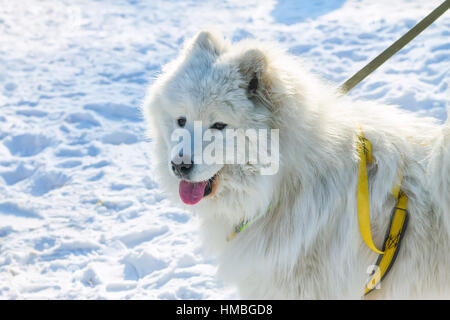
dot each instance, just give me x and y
(394, 48)
(245, 223)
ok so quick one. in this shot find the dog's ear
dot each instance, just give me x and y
(253, 67)
(211, 42)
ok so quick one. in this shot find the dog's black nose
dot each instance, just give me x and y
(182, 169)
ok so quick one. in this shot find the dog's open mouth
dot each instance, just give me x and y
(193, 192)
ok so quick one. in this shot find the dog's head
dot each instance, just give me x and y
(214, 92)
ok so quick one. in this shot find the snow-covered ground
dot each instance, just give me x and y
(81, 216)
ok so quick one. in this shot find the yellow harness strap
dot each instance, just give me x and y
(362, 198)
(398, 223)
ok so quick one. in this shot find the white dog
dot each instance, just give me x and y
(303, 240)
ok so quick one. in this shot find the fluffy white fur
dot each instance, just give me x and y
(309, 245)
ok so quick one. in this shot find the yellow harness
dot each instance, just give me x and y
(398, 223)
(397, 226)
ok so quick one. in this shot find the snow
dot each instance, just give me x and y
(81, 216)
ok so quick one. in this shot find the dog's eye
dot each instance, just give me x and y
(218, 126)
(181, 121)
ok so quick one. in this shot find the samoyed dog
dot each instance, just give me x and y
(287, 228)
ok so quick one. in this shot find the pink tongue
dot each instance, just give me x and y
(192, 192)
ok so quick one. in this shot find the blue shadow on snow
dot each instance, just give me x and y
(294, 11)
